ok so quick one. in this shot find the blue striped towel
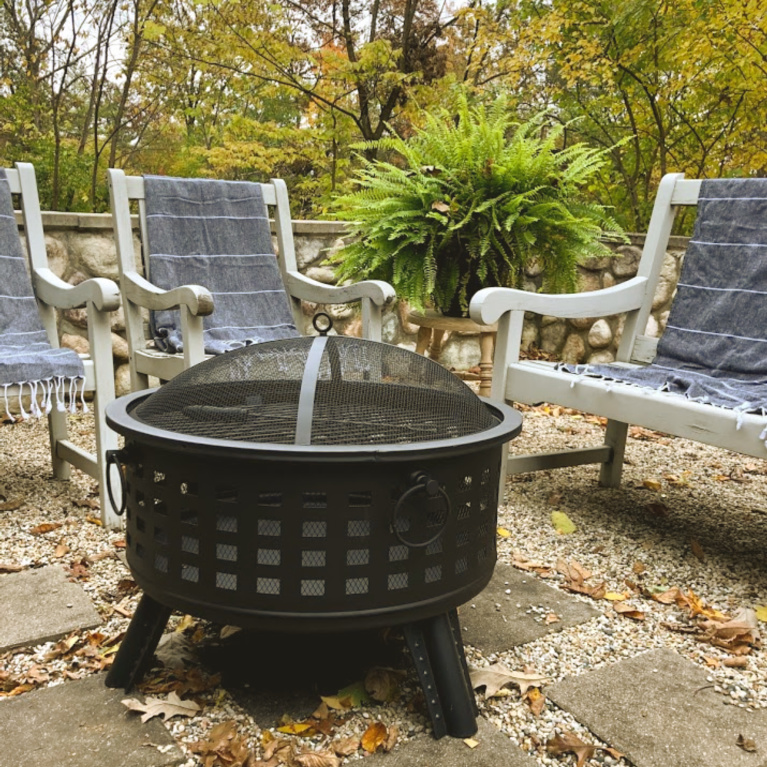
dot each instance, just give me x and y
(714, 347)
(27, 359)
(216, 234)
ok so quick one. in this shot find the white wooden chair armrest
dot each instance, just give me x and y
(489, 304)
(50, 289)
(299, 286)
(141, 292)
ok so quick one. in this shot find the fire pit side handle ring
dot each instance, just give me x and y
(421, 482)
(116, 457)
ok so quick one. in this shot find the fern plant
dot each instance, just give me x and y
(470, 202)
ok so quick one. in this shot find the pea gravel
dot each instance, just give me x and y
(686, 515)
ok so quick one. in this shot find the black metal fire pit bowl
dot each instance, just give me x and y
(314, 484)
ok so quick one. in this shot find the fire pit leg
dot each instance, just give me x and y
(140, 642)
(438, 656)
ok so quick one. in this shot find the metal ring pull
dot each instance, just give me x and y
(422, 483)
(325, 328)
(116, 457)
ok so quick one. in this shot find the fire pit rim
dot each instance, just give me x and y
(119, 418)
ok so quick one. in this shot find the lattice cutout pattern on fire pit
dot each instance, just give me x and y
(268, 543)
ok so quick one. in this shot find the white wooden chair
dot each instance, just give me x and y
(196, 302)
(533, 382)
(99, 296)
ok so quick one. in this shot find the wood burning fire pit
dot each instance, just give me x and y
(314, 484)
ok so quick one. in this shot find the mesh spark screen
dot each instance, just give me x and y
(365, 393)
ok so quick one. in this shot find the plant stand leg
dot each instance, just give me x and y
(435, 348)
(423, 340)
(486, 347)
(137, 648)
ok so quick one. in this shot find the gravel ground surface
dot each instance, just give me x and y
(686, 516)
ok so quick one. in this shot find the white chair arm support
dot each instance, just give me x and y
(489, 304)
(379, 292)
(141, 292)
(50, 289)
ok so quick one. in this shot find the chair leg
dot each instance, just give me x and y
(57, 429)
(615, 438)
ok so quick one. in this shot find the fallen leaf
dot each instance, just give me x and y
(497, 676)
(627, 611)
(12, 504)
(551, 618)
(536, 700)
(658, 509)
(167, 708)
(562, 523)
(45, 527)
(228, 631)
(316, 759)
(391, 738)
(356, 693)
(185, 622)
(94, 520)
(735, 662)
(521, 562)
(503, 532)
(652, 484)
(737, 635)
(470, 742)
(638, 568)
(9, 568)
(223, 746)
(746, 744)
(345, 746)
(561, 744)
(614, 596)
(383, 683)
(697, 550)
(440, 206)
(61, 550)
(760, 611)
(575, 579)
(714, 662)
(298, 728)
(174, 649)
(374, 737)
(88, 503)
(337, 703)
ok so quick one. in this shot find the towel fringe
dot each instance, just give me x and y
(41, 394)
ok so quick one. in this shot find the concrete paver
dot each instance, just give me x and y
(41, 605)
(494, 750)
(493, 629)
(659, 709)
(81, 724)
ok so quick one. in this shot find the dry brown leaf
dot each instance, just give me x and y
(497, 676)
(738, 635)
(316, 759)
(697, 550)
(88, 503)
(575, 577)
(714, 662)
(391, 738)
(174, 649)
(746, 743)
(383, 683)
(653, 484)
(521, 562)
(45, 527)
(627, 611)
(638, 567)
(279, 748)
(551, 618)
(440, 206)
(470, 742)
(223, 746)
(345, 746)
(9, 568)
(735, 662)
(167, 708)
(561, 744)
(12, 504)
(61, 550)
(536, 700)
(657, 509)
(374, 737)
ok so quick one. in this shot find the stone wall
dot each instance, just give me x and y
(82, 246)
